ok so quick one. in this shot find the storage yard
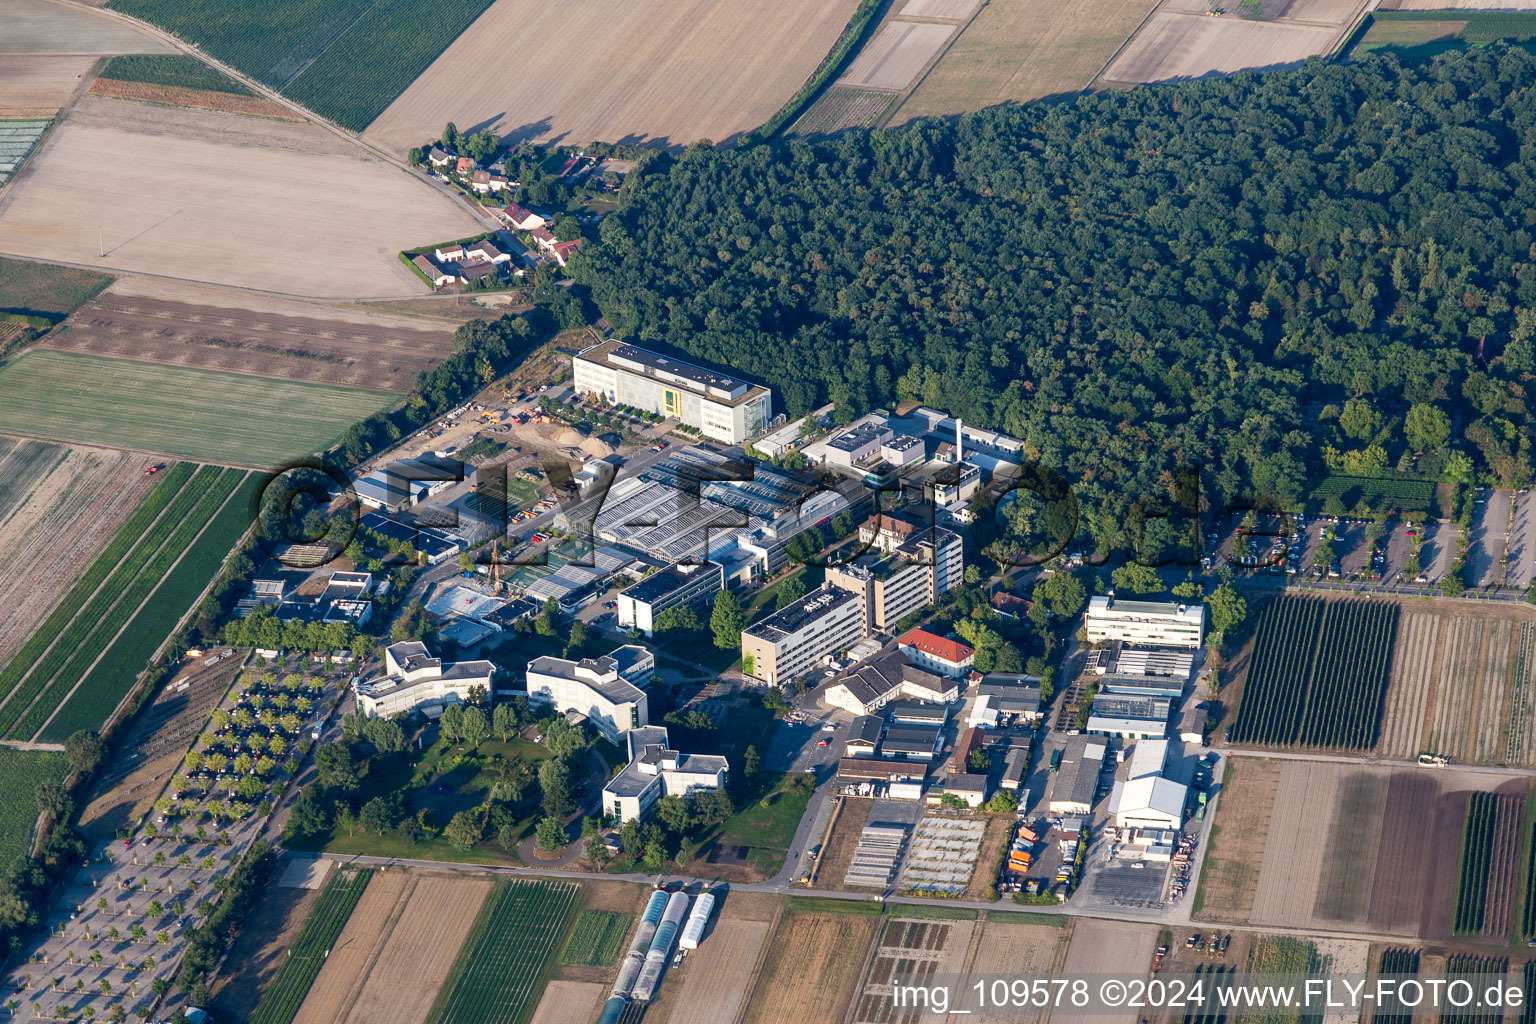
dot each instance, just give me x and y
(655, 71)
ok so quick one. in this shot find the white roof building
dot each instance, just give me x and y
(655, 770)
(416, 681)
(1167, 623)
(603, 689)
(1148, 758)
(1148, 802)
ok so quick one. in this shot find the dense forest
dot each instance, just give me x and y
(1271, 276)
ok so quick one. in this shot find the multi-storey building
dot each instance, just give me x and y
(1168, 623)
(677, 586)
(656, 770)
(793, 640)
(718, 406)
(603, 689)
(413, 680)
(917, 572)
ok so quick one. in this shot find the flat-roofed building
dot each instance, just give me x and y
(1077, 777)
(792, 641)
(903, 450)
(414, 680)
(904, 578)
(917, 712)
(676, 586)
(602, 689)
(1141, 686)
(1129, 717)
(879, 769)
(869, 687)
(858, 443)
(718, 406)
(1164, 623)
(656, 770)
(1176, 663)
(1148, 757)
(1015, 768)
(911, 742)
(1011, 695)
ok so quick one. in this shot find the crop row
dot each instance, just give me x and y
(1528, 1011)
(1318, 675)
(109, 681)
(128, 536)
(1472, 873)
(283, 996)
(1401, 964)
(502, 964)
(597, 938)
(1528, 915)
(21, 772)
(378, 56)
(1378, 492)
(1480, 971)
(118, 601)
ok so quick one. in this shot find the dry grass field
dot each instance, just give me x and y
(947, 10)
(813, 966)
(338, 983)
(1021, 50)
(302, 343)
(1010, 946)
(1354, 839)
(1230, 877)
(577, 71)
(58, 507)
(1173, 46)
(290, 219)
(1298, 831)
(1462, 686)
(897, 54)
(195, 99)
(566, 1001)
(712, 984)
(42, 26)
(1108, 947)
(37, 86)
(423, 944)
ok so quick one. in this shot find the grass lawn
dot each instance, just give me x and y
(39, 289)
(21, 772)
(197, 414)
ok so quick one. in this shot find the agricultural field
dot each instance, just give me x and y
(1403, 963)
(897, 54)
(1424, 32)
(713, 986)
(1487, 876)
(180, 80)
(38, 86)
(1462, 686)
(501, 968)
(407, 974)
(219, 198)
(1368, 848)
(908, 950)
(21, 772)
(811, 973)
(214, 416)
(1341, 495)
(660, 71)
(65, 505)
(355, 948)
(566, 1001)
(1175, 45)
(1317, 675)
(80, 663)
(1018, 945)
(597, 938)
(38, 289)
(1108, 947)
(42, 27)
(840, 108)
(179, 70)
(379, 352)
(287, 990)
(1015, 51)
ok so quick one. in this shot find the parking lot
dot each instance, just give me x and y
(1490, 531)
(1522, 541)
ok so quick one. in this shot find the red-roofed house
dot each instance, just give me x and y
(464, 166)
(480, 181)
(544, 236)
(1011, 605)
(520, 218)
(563, 251)
(930, 651)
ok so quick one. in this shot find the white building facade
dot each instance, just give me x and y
(720, 407)
(602, 689)
(1164, 623)
(416, 681)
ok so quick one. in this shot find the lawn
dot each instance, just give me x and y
(39, 289)
(21, 772)
(198, 414)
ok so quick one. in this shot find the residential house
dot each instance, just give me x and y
(480, 181)
(434, 273)
(563, 251)
(938, 654)
(439, 157)
(521, 219)
(464, 166)
(453, 253)
(473, 272)
(486, 251)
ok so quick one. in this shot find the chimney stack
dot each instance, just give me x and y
(959, 440)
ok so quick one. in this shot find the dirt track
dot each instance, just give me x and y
(264, 344)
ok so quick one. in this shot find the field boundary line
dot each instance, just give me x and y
(871, 954)
(1094, 81)
(170, 456)
(949, 44)
(85, 674)
(40, 481)
(86, 601)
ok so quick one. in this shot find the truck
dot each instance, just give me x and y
(1056, 760)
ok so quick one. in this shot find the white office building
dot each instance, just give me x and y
(415, 681)
(676, 586)
(656, 770)
(718, 406)
(793, 640)
(601, 689)
(1166, 623)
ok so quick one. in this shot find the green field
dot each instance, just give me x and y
(38, 289)
(197, 414)
(285, 993)
(1423, 34)
(500, 972)
(597, 938)
(1369, 493)
(109, 682)
(21, 772)
(176, 69)
(344, 59)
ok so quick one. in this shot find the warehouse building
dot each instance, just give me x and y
(1129, 717)
(1077, 777)
(911, 742)
(718, 406)
(792, 641)
(864, 736)
(677, 586)
(1119, 659)
(1165, 623)
(1011, 695)
(1141, 686)
(917, 712)
(1150, 801)
(603, 690)
(869, 687)
(413, 680)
